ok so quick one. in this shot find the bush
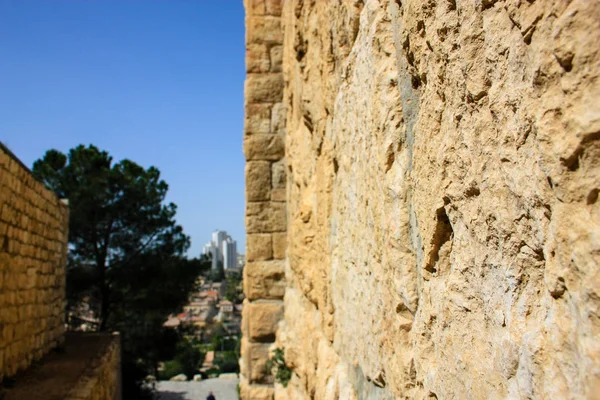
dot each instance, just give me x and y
(227, 361)
(171, 369)
(189, 357)
(283, 373)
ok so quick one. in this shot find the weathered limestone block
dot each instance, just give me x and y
(278, 118)
(278, 195)
(257, 118)
(259, 247)
(258, 58)
(279, 245)
(263, 217)
(258, 178)
(264, 280)
(261, 88)
(264, 147)
(263, 318)
(255, 7)
(273, 7)
(276, 58)
(257, 392)
(254, 361)
(278, 175)
(263, 29)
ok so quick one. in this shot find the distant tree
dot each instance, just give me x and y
(126, 252)
(218, 274)
(227, 361)
(233, 281)
(190, 357)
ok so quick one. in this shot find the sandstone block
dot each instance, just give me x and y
(278, 175)
(258, 181)
(264, 217)
(264, 147)
(264, 29)
(276, 57)
(258, 392)
(278, 195)
(244, 326)
(263, 318)
(279, 245)
(260, 88)
(244, 357)
(264, 280)
(258, 355)
(259, 247)
(258, 58)
(278, 118)
(254, 7)
(257, 118)
(273, 7)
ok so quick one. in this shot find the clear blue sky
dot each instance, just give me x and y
(158, 82)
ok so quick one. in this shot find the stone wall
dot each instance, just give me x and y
(266, 219)
(33, 249)
(101, 379)
(87, 368)
(443, 172)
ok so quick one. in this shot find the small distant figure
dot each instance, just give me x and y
(211, 396)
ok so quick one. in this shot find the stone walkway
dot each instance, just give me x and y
(223, 389)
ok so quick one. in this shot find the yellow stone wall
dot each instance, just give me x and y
(102, 378)
(441, 215)
(266, 219)
(33, 249)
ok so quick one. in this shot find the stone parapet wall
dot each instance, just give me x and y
(33, 251)
(443, 175)
(87, 368)
(266, 211)
(101, 380)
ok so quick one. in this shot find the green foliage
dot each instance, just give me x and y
(170, 369)
(213, 331)
(282, 372)
(233, 282)
(126, 251)
(227, 361)
(190, 358)
(224, 343)
(187, 359)
(218, 274)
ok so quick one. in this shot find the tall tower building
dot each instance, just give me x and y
(218, 237)
(223, 249)
(229, 253)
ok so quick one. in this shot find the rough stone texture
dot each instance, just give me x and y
(263, 318)
(33, 250)
(101, 380)
(264, 280)
(259, 247)
(442, 168)
(265, 217)
(258, 176)
(87, 368)
(266, 211)
(279, 245)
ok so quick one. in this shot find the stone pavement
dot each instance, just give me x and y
(223, 389)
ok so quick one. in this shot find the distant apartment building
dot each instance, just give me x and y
(229, 253)
(223, 249)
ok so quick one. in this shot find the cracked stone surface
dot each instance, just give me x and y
(443, 223)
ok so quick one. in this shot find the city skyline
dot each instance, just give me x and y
(222, 248)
